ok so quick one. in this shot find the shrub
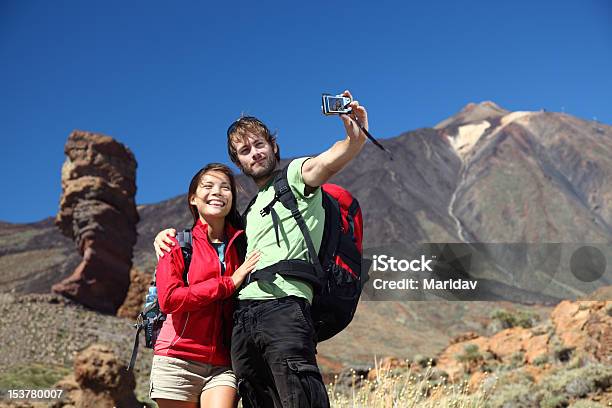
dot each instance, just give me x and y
(577, 361)
(517, 359)
(32, 376)
(520, 318)
(554, 401)
(513, 395)
(470, 354)
(424, 361)
(579, 382)
(514, 377)
(540, 360)
(609, 309)
(586, 404)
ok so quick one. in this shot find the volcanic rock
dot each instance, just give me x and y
(583, 327)
(586, 325)
(100, 379)
(134, 301)
(98, 211)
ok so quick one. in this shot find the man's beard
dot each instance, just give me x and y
(264, 171)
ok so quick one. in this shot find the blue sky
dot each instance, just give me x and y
(167, 78)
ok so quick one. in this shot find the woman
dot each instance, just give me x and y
(191, 362)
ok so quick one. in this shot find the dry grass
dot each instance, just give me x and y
(407, 389)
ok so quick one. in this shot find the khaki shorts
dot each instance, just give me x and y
(184, 380)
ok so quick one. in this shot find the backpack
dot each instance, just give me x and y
(151, 318)
(336, 273)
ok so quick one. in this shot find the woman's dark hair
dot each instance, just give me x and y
(233, 217)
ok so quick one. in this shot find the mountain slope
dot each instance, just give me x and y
(483, 175)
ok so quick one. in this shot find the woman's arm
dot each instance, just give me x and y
(174, 296)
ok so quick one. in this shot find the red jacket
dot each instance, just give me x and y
(199, 321)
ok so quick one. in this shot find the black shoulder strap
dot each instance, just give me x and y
(140, 324)
(246, 210)
(284, 194)
(184, 239)
(269, 209)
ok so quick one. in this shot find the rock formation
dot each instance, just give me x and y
(99, 380)
(134, 300)
(98, 211)
(581, 330)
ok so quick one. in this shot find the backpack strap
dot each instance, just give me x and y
(185, 239)
(269, 209)
(284, 194)
(291, 267)
(246, 211)
(140, 324)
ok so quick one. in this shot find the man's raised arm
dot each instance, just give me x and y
(321, 168)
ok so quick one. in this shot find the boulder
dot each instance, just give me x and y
(100, 379)
(585, 325)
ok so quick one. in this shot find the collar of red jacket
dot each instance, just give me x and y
(200, 230)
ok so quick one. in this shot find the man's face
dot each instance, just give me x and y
(257, 156)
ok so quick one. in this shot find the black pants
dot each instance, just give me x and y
(273, 354)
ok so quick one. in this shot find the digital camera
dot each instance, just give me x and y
(335, 104)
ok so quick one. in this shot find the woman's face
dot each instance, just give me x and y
(213, 197)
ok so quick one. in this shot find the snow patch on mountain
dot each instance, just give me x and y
(467, 136)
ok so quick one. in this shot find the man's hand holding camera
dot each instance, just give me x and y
(358, 115)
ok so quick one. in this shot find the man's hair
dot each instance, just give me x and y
(237, 132)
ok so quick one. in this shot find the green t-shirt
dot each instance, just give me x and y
(261, 236)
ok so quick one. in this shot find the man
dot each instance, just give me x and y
(273, 340)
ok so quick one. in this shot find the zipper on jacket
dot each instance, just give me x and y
(182, 331)
(230, 242)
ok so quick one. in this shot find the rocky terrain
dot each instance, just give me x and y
(519, 356)
(560, 361)
(42, 335)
